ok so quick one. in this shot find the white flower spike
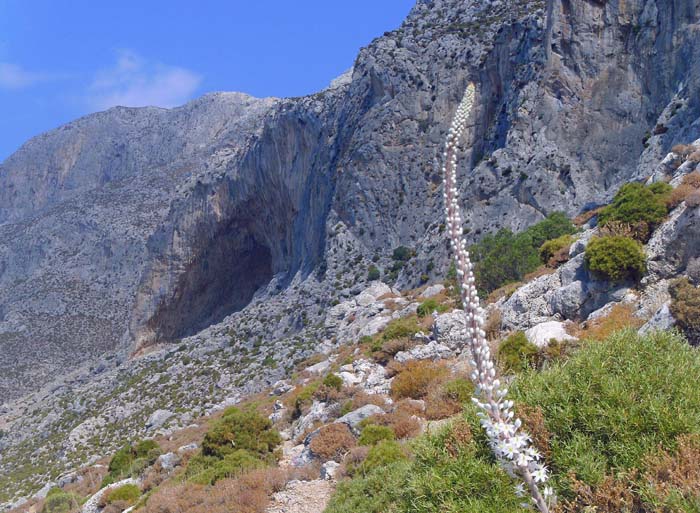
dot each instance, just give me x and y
(507, 441)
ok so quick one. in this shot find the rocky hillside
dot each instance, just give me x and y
(116, 229)
(157, 265)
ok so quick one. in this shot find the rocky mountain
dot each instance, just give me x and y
(234, 222)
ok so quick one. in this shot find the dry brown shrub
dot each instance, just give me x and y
(692, 179)
(540, 271)
(391, 347)
(402, 423)
(621, 316)
(440, 406)
(410, 407)
(679, 471)
(493, 325)
(248, 493)
(352, 460)
(678, 195)
(694, 157)
(416, 377)
(693, 200)
(640, 231)
(561, 256)
(90, 482)
(460, 436)
(683, 150)
(361, 398)
(612, 495)
(116, 507)
(586, 216)
(533, 420)
(332, 442)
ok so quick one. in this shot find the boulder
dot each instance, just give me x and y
(661, 320)
(541, 334)
(169, 461)
(158, 418)
(329, 470)
(432, 290)
(353, 418)
(430, 351)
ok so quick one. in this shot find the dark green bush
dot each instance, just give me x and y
(333, 381)
(207, 470)
(635, 203)
(131, 460)
(372, 434)
(429, 306)
(685, 308)
(505, 257)
(402, 254)
(516, 353)
(241, 429)
(373, 273)
(616, 258)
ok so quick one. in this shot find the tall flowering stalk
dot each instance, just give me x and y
(508, 441)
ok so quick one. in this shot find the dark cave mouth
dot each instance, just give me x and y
(221, 280)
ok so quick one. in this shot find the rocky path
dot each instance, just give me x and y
(302, 497)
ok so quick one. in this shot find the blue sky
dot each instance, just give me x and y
(62, 59)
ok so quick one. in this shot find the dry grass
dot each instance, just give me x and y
(494, 323)
(679, 472)
(503, 292)
(533, 420)
(403, 424)
(416, 377)
(586, 216)
(332, 442)
(459, 437)
(621, 316)
(248, 493)
(612, 495)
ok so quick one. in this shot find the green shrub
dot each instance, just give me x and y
(459, 389)
(516, 353)
(685, 308)
(402, 254)
(615, 402)
(58, 501)
(616, 258)
(616, 405)
(207, 470)
(373, 273)
(400, 328)
(372, 434)
(551, 247)
(384, 453)
(333, 381)
(128, 493)
(504, 257)
(131, 460)
(635, 203)
(241, 429)
(554, 226)
(429, 306)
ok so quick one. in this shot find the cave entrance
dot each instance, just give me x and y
(219, 281)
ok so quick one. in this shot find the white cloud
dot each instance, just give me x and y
(13, 76)
(135, 82)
